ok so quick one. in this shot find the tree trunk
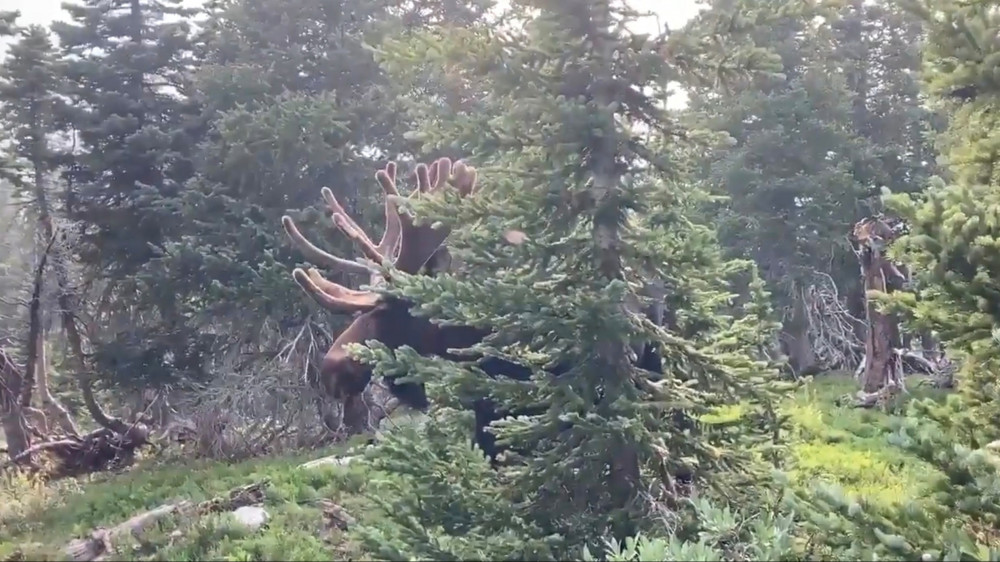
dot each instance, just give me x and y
(797, 343)
(15, 426)
(34, 327)
(929, 346)
(624, 465)
(51, 406)
(67, 313)
(882, 366)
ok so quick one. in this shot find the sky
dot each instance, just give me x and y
(673, 12)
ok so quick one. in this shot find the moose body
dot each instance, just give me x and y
(389, 320)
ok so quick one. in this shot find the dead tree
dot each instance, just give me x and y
(15, 424)
(16, 386)
(113, 444)
(883, 368)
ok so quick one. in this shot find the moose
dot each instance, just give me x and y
(412, 249)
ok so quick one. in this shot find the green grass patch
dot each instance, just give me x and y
(40, 520)
(829, 443)
(838, 444)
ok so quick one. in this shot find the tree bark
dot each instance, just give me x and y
(34, 327)
(51, 406)
(15, 425)
(625, 473)
(882, 367)
(67, 313)
(795, 336)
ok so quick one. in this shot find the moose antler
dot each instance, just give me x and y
(404, 244)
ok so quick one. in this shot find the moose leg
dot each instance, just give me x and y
(355, 417)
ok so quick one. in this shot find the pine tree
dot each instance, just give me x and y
(30, 83)
(954, 228)
(126, 71)
(8, 20)
(950, 247)
(599, 211)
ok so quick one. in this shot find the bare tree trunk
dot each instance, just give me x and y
(52, 407)
(34, 327)
(795, 335)
(882, 365)
(84, 376)
(16, 388)
(67, 313)
(15, 426)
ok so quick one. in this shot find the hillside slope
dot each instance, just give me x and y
(831, 443)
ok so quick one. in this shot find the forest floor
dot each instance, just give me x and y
(831, 443)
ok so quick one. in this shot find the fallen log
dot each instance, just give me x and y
(101, 541)
(96, 451)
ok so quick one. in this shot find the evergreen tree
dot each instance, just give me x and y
(596, 208)
(29, 81)
(877, 45)
(295, 101)
(953, 229)
(126, 70)
(792, 171)
(8, 21)
(950, 247)
(809, 150)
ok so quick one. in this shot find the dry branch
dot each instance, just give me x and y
(51, 406)
(832, 328)
(15, 426)
(101, 542)
(98, 450)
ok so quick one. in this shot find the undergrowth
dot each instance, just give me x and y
(830, 443)
(838, 444)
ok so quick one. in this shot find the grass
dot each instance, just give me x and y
(848, 446)
(40, 520)
(831, 443)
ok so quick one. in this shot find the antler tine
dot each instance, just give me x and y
(354, 232)
(418, 243)
(337, 209)
(464, 179)
(390, 238)
(334, 289)
(332, 296)
(318, 256)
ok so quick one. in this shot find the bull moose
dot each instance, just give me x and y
(411, 248)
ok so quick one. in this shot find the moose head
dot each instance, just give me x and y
(410, 248)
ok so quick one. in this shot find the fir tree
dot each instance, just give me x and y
(597, 212)
(29, 84)
(950, 247)
(126, 71)
(954, 229)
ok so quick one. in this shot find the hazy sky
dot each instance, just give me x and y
(672, 12)
(675, 13)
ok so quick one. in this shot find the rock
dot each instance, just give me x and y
(328, 460)
(252, 517)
